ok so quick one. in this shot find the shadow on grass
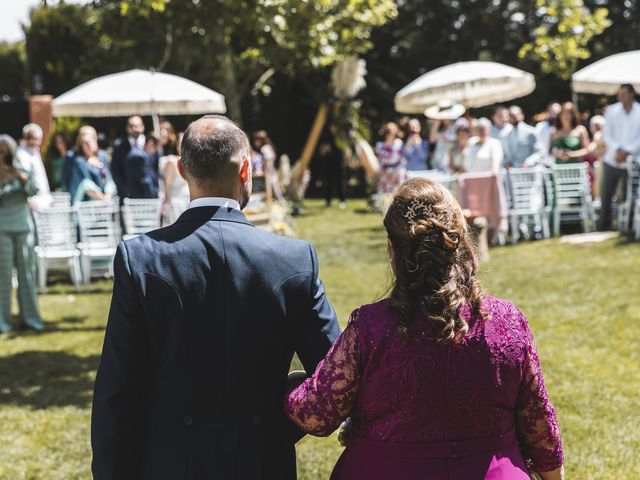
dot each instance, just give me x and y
(43, 379)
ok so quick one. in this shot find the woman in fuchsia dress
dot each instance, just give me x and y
(440, 380)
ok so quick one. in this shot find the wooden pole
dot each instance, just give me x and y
(312, 141)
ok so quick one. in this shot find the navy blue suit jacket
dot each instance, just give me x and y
(141, 174)
(121, 149)
(205, 318)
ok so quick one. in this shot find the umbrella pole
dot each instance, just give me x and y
(156, 123)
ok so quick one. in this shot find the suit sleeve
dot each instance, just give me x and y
(121, 382)
(319, 328)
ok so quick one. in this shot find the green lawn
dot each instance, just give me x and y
(582, 302)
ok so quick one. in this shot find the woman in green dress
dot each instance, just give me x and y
(15, 187)
(569, 139)
(56, 155)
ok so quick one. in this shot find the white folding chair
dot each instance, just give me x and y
(626, 214)
(636, 219)
(141, 216)
(526, 200)
(56, 232)
(61, 199)
(98, 235)
(573, 196)
(446, 180)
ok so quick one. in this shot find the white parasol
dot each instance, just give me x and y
(473, 84)
(605, 76)
(140, 92)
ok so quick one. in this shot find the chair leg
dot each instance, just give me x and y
(42, 273)
(556, 223)
(75, 271)
(86, 269)
(544, 219)
(514, 229)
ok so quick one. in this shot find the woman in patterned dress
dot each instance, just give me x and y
(440, 380)
(393, 171)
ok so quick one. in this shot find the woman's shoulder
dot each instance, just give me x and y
(372, 316)
(504, 321)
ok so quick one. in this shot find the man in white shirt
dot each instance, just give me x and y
(621, 136)
(544, 130)
(501, 130)
(29, 159)
(523, 142)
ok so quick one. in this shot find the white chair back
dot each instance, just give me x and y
(60, 199)
(141, 216)
(571, 184)
(56, 229)
(527, 189)
(625, 213)
(98, 223)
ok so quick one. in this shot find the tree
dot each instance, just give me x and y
(13, 80)
(562, 38)
(243, 41)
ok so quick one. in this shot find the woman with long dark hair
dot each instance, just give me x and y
(569, 139)
(440, 379)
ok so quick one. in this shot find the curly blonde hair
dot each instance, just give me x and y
(433, 258)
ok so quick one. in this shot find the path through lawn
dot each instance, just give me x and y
(582, 301)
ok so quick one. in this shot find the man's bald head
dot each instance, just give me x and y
(212, 150)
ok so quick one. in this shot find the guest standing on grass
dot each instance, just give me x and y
(121, 148)
(175, 188)
(29, 159)
(56, 155)
(16, 186)
(416, 148)
(621, 136)
(441, 380)
(392, 163)
(483, 153)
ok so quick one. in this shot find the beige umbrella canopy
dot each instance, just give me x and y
(139, 92)
(473, 84)
(605, 76)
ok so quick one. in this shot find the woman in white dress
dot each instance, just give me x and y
(483, 153)
(176, 190)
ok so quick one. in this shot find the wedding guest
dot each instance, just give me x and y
(16, 186)
(416, 149)
(262, 144)
(121, 149)
(544, 129)
(175, 188)
(622, 137)
(167, 137)
(456, 155)
(483, 152)
(441, 380)
(597, 150)
(89, 177)
(443, 131)
(29, 159)
(141, 170)
(501, 130)
(392, 163)
(569, 139)
(523, 141)
(334, 169)
(55, 158)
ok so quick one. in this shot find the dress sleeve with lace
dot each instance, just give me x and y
(320, 404)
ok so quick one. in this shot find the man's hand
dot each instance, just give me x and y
(621, 155)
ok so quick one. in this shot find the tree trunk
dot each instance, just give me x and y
(228, 75)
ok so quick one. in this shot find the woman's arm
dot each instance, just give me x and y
(320, 404)
(169, 173)
(537, 423)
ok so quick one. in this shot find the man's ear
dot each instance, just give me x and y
(181, 168)
(245, 170)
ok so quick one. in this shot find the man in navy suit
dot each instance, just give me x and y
(205, 318)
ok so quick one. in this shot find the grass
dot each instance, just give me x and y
(581, 300)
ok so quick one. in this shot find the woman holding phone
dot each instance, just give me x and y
(15, 187)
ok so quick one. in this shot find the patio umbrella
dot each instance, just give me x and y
(473, 84)
(140, 92)
(605, 76)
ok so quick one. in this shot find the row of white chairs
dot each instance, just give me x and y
(86, 235)
(561, 193)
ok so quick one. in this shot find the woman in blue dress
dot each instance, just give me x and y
(416, 148)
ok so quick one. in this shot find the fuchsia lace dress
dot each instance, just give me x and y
(419, 409)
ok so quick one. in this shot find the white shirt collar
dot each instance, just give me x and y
(214, 202)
